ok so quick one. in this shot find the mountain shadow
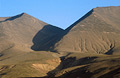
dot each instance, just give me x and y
(46, 37)
(49, 35)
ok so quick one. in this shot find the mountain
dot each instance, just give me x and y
(22, 31)
(20, 36)
(96, 32)
(89, 48)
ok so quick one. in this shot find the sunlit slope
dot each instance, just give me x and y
(109, 15)
(19, 36)
(92, 33)
(16, 63)
(25, 31)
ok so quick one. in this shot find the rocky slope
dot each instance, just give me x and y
(20, 35)
(80, 65)
(89, 48)
(96, 32)
(24, 31)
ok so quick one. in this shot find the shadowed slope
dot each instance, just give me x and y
(83, 65)
(46, 37)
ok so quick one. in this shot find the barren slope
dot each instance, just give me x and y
(19, 36)
(84, 65)
(16, 63)
(93, 33)
(22, 31)
(83, 45)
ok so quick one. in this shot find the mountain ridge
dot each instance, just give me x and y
(89, 48)
(22, 28)
(96, 27)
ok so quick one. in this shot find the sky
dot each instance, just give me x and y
(60, 13)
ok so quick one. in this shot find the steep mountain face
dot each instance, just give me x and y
(26, 42)
(22, 31)
(96, 32)
(19, 36)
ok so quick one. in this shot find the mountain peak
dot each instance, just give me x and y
(109, 8)
(23, 14)
(3, 19)
(98, 11)
(90, 29)
(85, 16)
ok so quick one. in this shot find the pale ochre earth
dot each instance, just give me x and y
(89, 48)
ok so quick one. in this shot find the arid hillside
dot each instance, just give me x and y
(96, 32)
(24, 31)
(87, 65)
(20, 37)
(89, 48)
